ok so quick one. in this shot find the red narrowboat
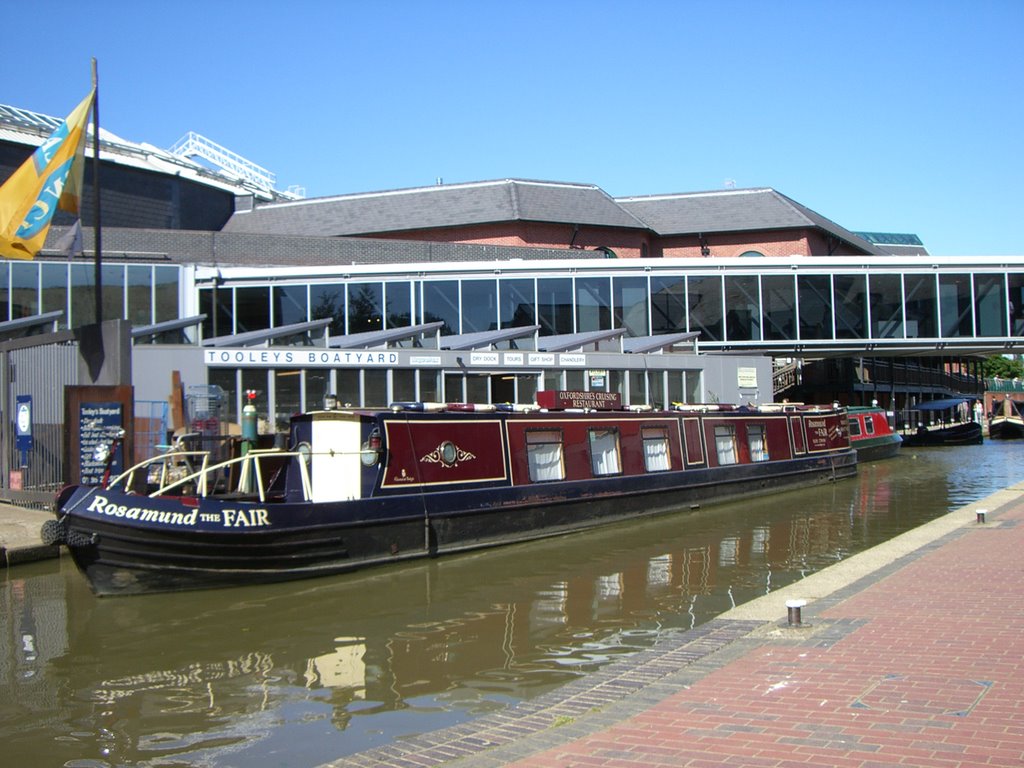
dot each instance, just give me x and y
(357, 487)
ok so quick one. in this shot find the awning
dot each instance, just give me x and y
(941, 405)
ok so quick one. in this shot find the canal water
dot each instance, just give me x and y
(300, 674)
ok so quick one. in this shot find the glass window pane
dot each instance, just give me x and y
(604, 451)
(375, 388)
(227, 380)
(327, 300)
(318, 386)
(140, 294)
(921, 306)
(886, 306)
(252, 309)
(365, 307)
(430, 386)
(629, 297)
(778, 294)
(5, 295)
(593, 304)
(725, 444)
(287, 398)
(477, 389)
(554, 306)
(290, 304)
(479, 305)
(544, 455)
(83, 295)
(655, 449)
(990, 305)
(25, 290)
(347, 388)
(955, 305)
(756, 443)
(1015, 282)
(256, 379)
(403, 385)
(813, 294)
(742, 308)
(55, 290)
(113, 292)
(217, 322)
(668, 305)
(165, 293)
(441, 303)
(399, 304)
(518, 303)
(850, 306)
(704, 296)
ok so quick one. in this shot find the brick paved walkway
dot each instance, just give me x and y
(920, 663)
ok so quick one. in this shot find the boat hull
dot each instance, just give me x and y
(122, 555)
(968, 433)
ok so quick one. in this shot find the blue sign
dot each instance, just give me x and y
(23, 425)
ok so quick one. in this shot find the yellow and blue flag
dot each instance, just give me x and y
(51, 178)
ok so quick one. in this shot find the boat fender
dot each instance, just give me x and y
(54, 532)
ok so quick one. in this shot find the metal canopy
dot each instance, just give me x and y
(9, 328)
(252, 338)
(482, 339)
(142, 331)
(567, 341)
(381, 338)
(941, 405)
(642, 344)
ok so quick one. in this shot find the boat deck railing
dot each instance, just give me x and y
(186, 472)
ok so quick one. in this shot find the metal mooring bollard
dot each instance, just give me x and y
(793, 609)
(981, 515)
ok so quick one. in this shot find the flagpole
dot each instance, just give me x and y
(96, 192)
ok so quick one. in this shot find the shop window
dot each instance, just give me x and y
(544, 455)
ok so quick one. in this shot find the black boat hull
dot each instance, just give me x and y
(119, 555)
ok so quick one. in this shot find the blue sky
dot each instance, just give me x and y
(883, 116)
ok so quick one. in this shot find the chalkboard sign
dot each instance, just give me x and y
(98, 424)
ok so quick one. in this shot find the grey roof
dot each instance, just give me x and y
(141, 331)
(446, 205)
(369, 339)
(252, 338)
(732, 210)
(482, 339)
(566, 341)
(10, 327)
(663, 341)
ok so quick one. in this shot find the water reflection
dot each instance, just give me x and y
(303, 673)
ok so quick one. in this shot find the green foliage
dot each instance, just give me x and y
(1003, 367)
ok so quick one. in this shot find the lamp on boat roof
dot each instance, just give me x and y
(330, 402)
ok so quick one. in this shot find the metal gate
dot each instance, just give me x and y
(39, 367)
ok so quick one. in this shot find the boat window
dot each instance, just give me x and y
(854, 428)
(756, 442)
(544, 455)
(869, 425)
(604, 451)
(725, 444)
(655, 449)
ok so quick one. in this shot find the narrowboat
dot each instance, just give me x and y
(1006, 422)
(954, 427)
(872, 435)
(355, 488)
